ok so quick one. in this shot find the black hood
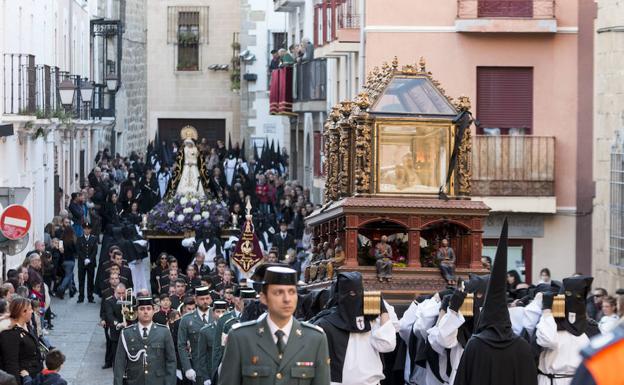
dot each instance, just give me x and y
(348, 314)
(494, 326)
(477, 285)
(575, 290)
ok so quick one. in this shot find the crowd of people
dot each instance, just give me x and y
(187, 322)
(296, 53)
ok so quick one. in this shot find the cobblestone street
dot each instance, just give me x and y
(78, 335)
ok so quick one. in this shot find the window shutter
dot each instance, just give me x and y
(505, 98)
(505, 8)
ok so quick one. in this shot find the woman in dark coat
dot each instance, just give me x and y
(19, 346)
(68, 252)
(110, 211)
(149, 195)
(162, 264)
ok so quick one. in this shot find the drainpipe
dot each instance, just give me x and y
(362, 53)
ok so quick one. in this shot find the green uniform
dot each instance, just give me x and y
(222, 328)
(251, 356)
(205, 347)
(188, 339)
(145, 361)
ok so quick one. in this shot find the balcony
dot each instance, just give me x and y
(508, 16)
(299, 88)
(287, 5)
(336, 27)
(33, 89)
(513, 166)
(310, 80)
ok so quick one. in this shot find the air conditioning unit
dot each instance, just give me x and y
(250, 77)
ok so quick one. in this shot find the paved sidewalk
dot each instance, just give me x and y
(78, 335)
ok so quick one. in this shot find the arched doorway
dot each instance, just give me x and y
(370, 234)
(459, 238)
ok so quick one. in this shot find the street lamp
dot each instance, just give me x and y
(66, 91)
(111, 83)
(86, 93)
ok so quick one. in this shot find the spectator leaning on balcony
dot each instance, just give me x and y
(275, 60)
(285, 58)
(308, 49)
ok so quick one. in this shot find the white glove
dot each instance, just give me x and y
(190, 374)
(207, 382)
(87, 261)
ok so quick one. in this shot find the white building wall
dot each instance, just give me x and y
(273, 127)
(56, 32)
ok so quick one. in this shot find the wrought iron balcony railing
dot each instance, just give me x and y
(513, 165)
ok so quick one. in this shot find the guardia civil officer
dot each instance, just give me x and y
(276, 348)
(188, 334)
(207, 341)
(145, 353)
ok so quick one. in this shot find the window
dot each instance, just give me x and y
(188, 41)
(616, 212)
(187, 29)
(505, 100)
(505, 8)
(279, 40)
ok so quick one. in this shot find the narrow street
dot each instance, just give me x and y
(79, 336)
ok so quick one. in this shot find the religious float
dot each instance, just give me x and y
(187, 210)
(397, 167)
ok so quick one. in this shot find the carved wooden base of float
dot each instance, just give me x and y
(405, 284)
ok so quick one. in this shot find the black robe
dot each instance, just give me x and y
(486, 364)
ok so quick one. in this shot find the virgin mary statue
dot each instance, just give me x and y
(190, 175)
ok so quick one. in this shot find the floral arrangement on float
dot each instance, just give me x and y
(187, 213)
(399, 261)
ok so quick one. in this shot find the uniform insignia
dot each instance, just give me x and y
(254, 360)
(359, 321)
(305, 363)
(572, 317)
(261, 329)
(298, 331)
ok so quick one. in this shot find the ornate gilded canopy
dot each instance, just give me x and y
(397, 137)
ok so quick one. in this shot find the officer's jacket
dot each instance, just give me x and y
(155, 366)
(251, 356)
(188, 338)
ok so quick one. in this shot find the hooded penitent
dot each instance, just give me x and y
(346, 317)
(476, 285)
(494, 354)
(575, 290)
(349, 314)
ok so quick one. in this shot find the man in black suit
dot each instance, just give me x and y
(87, 252)
(124, 271)
(114, 320)
(283, 241)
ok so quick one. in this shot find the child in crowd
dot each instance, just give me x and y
(50, 375)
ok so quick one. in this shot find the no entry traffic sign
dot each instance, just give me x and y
(15, 222)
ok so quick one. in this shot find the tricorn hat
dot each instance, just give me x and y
(280, 275)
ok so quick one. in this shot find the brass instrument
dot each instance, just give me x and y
(466, 308)
(127, 307)
(558, 307)
(372, 302)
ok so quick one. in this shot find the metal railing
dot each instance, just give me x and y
(33, 89)
(533, 9)
(347, 15)
(513, 165)
(616, 206)
(310, 80)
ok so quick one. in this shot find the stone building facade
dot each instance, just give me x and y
(192, 47)
(608, 265)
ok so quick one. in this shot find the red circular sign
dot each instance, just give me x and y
(15, 222)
